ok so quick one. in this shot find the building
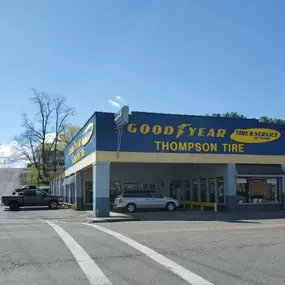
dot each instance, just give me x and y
(11, 179)
(236, 163)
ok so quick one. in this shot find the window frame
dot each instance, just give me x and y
(264, 177)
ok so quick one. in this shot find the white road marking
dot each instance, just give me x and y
(179, 270)
(88, 266)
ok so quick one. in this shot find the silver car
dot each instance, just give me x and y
(131, 200)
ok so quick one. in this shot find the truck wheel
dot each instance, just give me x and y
(53, 205)
(14, 206)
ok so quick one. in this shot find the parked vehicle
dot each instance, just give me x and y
(130, 200)
(31, 198)
(30, 187)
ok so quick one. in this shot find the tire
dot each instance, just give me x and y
(131, 207)
(53, 205)
(170, 207)
(14, 206)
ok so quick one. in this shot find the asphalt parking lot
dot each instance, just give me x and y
(58, 247)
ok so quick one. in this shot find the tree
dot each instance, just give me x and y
(24, 148)
(67, 134)
(62, 114)
(269, 120)
(41, 135)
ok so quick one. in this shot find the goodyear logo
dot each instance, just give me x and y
(258, 135)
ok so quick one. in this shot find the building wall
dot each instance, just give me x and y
(10, 179)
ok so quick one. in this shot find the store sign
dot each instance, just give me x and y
(258, 135)
(271, 181)
(121, 118)
(80, 147)
(153, 132)
(241, 180)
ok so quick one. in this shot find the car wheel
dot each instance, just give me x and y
(131, 208)
(14, 206)
(53, 205)
(170, 207)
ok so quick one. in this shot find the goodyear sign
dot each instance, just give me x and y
(82, 145)
(150, 132)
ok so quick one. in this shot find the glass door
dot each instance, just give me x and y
(186, 191)
(212, 191)
(176, 189)
(203, 190)
(194, 190)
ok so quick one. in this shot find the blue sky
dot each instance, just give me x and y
(186, 56)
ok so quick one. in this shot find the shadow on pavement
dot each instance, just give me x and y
(34, 209)
(240, 218)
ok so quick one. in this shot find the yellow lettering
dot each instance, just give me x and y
(221, 133)
(144, 129)
(234, 148)
(156, 129)
(211, 133)
(190, 146)
(157, 143)
(165, 145)
(78, 156)
(198, 147)
(214, 147)
(168, 130)
(225, 147)
(205, 147)
(240, 147)
(132, 128)
(173, 146)
(192, 131)
(201, 132)
(182, 146)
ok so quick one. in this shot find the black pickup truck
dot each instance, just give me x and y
(31, 198)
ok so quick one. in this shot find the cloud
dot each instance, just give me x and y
(119, 98)
(5, 157)
(114, 103)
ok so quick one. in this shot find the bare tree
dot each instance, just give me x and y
(40, 131)
(62, 114)
(24, 148)
(39, 142)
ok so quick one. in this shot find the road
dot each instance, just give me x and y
(58, 247)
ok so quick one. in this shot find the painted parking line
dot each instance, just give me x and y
(88, 266)
(210, 229)
(177, 269)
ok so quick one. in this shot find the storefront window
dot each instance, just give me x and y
(257, 190)
(152, 186)
(203, 188)
(195, 190)
(186, 195)
(88, 191)
(130, 184)
(144, 186)
(221, 192)
(162, 186)
(212, 190)
(114, 189)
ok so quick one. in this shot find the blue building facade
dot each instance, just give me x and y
(247, 155)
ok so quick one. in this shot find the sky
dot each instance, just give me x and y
(184, 57)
